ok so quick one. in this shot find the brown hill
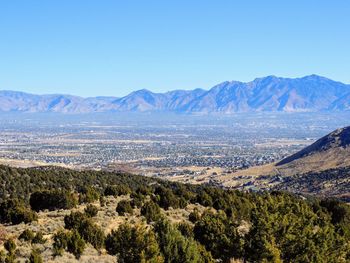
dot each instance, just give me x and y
(329, 152)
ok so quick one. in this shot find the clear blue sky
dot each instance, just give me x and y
(106, 47)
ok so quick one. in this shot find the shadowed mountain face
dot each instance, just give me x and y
(308, 94)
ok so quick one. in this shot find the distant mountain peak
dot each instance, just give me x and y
(271, 93)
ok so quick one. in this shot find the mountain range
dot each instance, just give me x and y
(307, 94)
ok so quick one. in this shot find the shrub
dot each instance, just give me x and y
(339, 211)
(10, 246)
(75, 244)
(39, 238)
(52, 200)
(15, 212)
(88, 195)
(177, 248)
(74, 220)
(102, 201)
(70, 241)
(133, 244)
(89, 231)
(93, 234)
(2, 256)
(91, 210)
(26, 235)
(194, 216)
(150, 211)
(219, 236)
(35, 257)
(186, 229)
(143, 190)
(124, 207)
(60, 242)
(137, 199)
(204, 199)
(166, 198)
(10, 258)
(117, 190)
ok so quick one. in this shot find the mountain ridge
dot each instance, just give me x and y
(311, 93)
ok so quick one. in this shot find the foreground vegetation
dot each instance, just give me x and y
(222, 225)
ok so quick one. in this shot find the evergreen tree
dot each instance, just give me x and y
(133, 244)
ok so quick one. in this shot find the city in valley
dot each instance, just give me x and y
(192, 149)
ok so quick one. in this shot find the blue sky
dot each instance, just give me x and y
(91, 48)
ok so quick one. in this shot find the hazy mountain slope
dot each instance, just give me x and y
(308, 94)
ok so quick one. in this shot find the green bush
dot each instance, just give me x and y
(219, 235)
(166, 198)
(10, 246)
(137, 199)
(15, 212)
(151, 211)
(60, 242)
(52, 200)
(35, 256)
(186, 229)
(75, 220)
(144, 190)
(39, 238)
(124, 207)
(177, 248)
(88, 195)
(91, 210)
(194, 216)
(2, 256)
(26, 235)
(133, 244)
(89, 231)
(70, 241)
(286, 228)
(102, 201)
(204, 199)
(75, 244)
(10, 258)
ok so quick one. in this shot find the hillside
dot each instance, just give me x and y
(329, 152)
(52, 214)
(269, 94)
(322, 168)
